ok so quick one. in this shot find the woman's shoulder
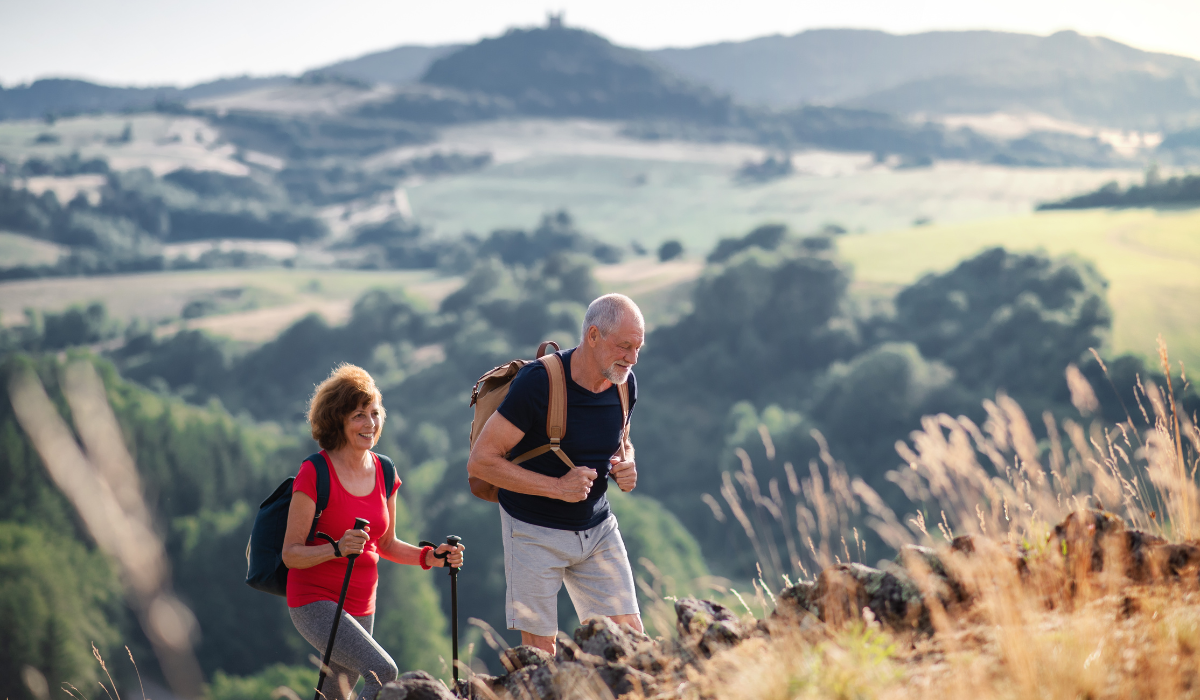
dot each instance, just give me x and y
(388, 469)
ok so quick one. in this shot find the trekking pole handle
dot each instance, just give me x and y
(453, 541)
(359, 523)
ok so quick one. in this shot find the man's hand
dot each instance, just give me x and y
(625, 473)
(575, 485)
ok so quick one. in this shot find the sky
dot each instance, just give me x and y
(159, 42)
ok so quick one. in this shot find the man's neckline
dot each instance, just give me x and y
(566, 358)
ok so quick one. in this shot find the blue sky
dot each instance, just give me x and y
(147, 42)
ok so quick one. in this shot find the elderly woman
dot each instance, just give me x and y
(346, 414)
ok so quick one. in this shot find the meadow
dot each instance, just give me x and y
(624, 190)
(250, 305)
(1151, 259)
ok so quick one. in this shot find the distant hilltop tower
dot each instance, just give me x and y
(554, 20)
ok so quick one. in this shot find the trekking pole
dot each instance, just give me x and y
(453, 541)
(359, 523)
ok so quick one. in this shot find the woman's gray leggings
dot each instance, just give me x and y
(355, 653)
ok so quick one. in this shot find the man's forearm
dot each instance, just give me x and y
(502, 473)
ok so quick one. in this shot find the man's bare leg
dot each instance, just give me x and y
(544, 643)
(547, 644)
(634, 621)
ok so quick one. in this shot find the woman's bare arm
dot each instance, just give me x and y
(297, 554)
(395, 549)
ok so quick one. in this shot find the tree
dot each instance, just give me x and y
(1007, 320)
(669, 250)
(57, 598)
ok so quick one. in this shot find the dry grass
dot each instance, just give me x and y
(1052, 613)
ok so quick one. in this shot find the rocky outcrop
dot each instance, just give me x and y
(416, 685)
(707, 626)
(1093, 541)
(517, 658)
(600, 640)
(604, 659)
(841, 592)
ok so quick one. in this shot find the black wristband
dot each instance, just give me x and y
(337, 552)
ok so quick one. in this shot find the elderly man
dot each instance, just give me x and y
(557, 524)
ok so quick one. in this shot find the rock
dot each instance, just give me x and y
(1084, 535)
(517, 658)
(1176, 561)
(795, 600)
(415, 686)
(622, 678)
(531, 683)
(575, 681)
(707, 625)
(964, 544)
(1139, 547)
(950, 591)
(842, 591)
(567, 680)
(1089, 540)
(606, 639)
(479, 687)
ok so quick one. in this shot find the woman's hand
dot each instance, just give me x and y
(354, 541)
(454, 559)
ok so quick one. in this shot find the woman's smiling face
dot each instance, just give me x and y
(364, 425)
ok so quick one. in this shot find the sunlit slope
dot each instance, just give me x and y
(1151, 259)
(243, 304)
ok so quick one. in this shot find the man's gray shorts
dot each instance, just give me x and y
(538, 560)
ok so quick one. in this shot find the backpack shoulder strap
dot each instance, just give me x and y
(322, 469)
(389, 473)
(556, 411)
(623, 392)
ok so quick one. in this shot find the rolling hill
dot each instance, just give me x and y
(559, 71)
(1088, 80)
(62, 96)
(1066, 75)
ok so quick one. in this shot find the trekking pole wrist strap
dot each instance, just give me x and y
(430, 546)
(337, 551)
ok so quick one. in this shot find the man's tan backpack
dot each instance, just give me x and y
(490, 391)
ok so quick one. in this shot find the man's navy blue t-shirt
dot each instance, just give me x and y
(593, 435)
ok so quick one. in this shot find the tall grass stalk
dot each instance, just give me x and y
(1039, 624)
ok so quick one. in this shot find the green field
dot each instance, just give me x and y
(623, 190)
(1151, 259)
(265, 301)
(649, 200)
(16, 250)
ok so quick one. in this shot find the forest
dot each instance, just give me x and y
(775, 368)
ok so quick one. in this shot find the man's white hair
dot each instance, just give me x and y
(607, 312)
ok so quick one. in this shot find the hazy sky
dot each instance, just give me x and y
(171, 42)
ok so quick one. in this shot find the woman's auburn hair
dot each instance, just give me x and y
(348, 387)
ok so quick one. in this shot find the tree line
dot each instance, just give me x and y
(776, 364)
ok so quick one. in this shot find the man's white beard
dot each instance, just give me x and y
(617, 374)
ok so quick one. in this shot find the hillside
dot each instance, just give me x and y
(1088, 79)
(1091, 80)
(559, 71)
(398, 66)
(60, 96)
